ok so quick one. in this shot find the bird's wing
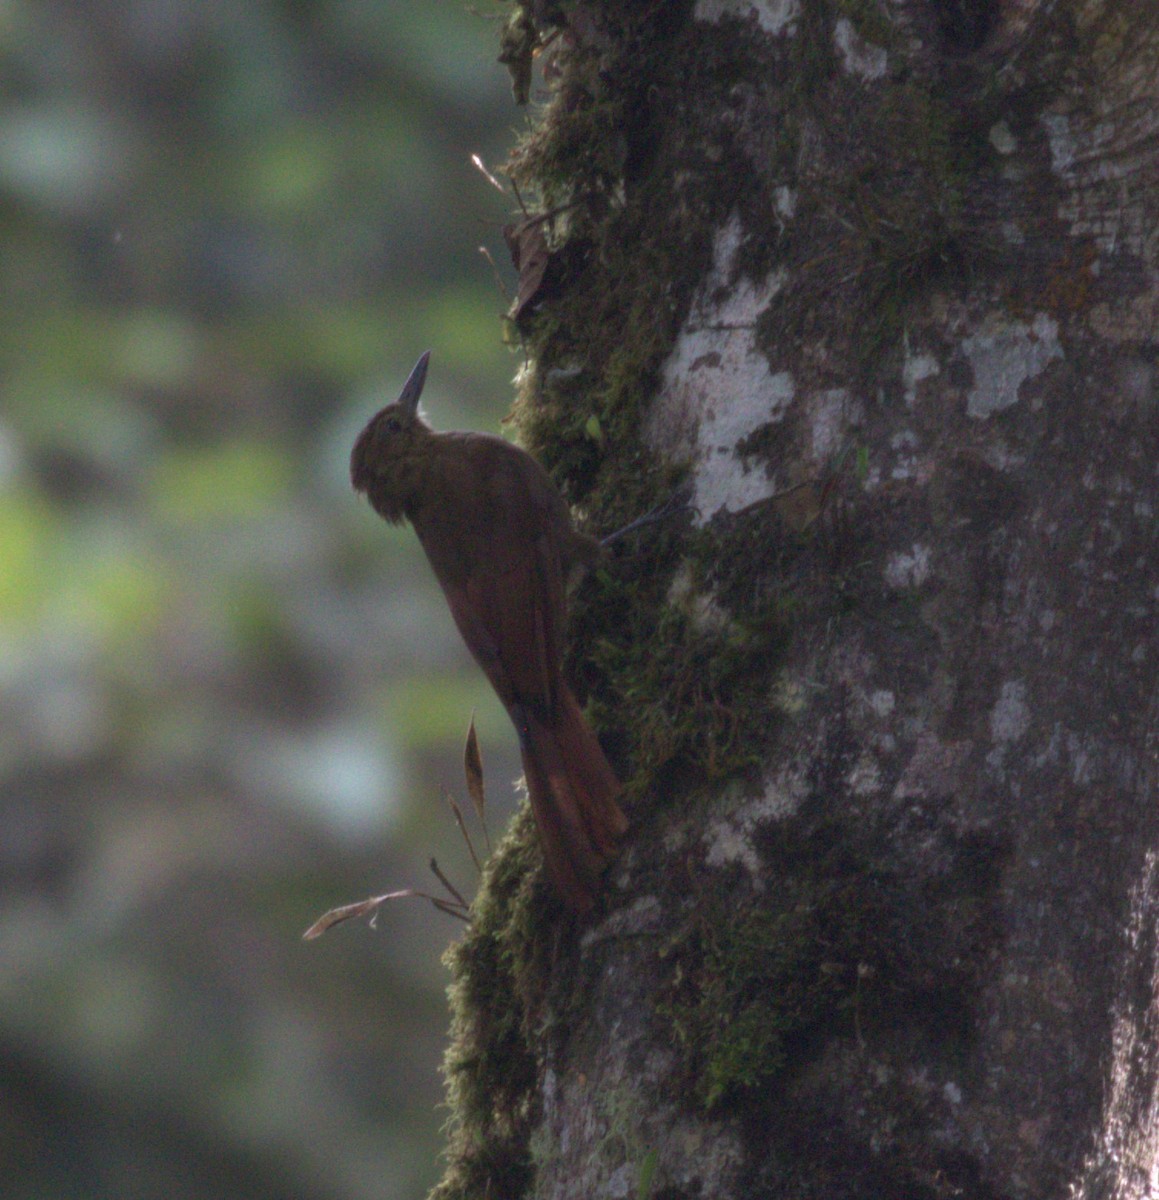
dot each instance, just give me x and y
(506, 587)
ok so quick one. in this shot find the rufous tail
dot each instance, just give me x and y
(573, 792)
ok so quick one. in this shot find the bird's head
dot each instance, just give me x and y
(388, 449)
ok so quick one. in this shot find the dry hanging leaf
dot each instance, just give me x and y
(369, 908)
(347, 912)
(473, 768)
(527, 244)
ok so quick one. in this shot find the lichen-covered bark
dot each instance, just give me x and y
(882, 280)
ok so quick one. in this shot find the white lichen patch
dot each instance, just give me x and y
(905, 464)
(1010, 716)
(717, 387)
(729, 838)
(915, 368)
(858, 56)
(865, 776)
(1137, 382)
(702, 609)
(1002, 139)
(773, 16)
(784, 793)
(831, 412)
(908, 568)
(604, 1116)
(1060, 139)
(1003, 356)
(729, 842)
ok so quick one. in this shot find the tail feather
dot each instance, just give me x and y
(560, 835)
(573, 792)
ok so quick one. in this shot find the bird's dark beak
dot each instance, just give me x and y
(408, 398)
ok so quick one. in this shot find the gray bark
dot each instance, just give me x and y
(908, 947)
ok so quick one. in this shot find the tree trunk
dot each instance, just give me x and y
(881, 280)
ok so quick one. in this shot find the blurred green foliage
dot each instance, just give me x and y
(230, 697)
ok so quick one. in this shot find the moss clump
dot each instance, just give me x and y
(687, 681)
(499, 973)
(749, 983)
(844, 941)
(636, 198)
(881, 213)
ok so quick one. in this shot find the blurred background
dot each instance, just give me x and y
(231, 697)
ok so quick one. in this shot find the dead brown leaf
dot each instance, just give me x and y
(473, 768)
(348, 912)
(527, 244)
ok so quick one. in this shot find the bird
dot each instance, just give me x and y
(500, 540)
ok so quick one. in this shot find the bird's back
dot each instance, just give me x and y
(498, 538)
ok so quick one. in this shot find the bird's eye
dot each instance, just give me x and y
(392, 424)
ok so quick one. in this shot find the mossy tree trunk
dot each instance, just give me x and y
(881, 279)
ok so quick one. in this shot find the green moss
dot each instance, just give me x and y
(629, 245)
(869, 19)
(886, 218)
(685, 681)
(748, 983)
(499, 973)
(619, 1112)
(843, 943)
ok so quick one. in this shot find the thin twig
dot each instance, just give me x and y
(438, 873)
(463, 829)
